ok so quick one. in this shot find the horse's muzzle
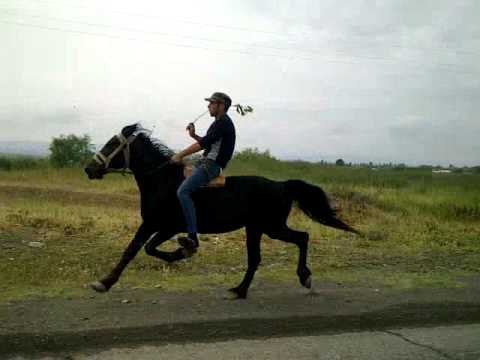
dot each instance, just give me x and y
(93, 173)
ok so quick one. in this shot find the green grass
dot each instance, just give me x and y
(420, 230)
(21, 162)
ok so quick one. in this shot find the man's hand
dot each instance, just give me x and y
(177, 158)
(191, 129)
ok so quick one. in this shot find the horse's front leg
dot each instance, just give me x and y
(142, 235)
(158, 239)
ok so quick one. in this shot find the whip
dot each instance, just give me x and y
(241, 109)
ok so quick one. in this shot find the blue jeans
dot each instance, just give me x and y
(203, 172)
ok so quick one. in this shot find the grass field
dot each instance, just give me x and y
(421, 229)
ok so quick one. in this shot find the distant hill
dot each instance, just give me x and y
(31, 148)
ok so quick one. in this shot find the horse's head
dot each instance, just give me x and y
(115, 155)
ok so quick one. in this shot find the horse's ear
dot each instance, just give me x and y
(129, 129)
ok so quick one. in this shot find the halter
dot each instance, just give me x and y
(125, 146)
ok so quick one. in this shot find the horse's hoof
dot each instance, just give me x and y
(308, 282)
(238, 293)
(230, 295)
(98, 287)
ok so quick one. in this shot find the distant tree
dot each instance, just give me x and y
(70, 150)
(253, 153)
(340, 162)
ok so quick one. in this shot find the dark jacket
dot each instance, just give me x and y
(219, 142)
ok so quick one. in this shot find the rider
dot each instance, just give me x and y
(218, 145)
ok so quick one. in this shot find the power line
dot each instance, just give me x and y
(245, 52)
(156, 17)
(157, 33)
(90, 33)
(242, 29)
(445, 50)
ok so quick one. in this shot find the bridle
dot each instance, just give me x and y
(124, 145)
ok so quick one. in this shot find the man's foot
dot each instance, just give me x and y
(189, 245)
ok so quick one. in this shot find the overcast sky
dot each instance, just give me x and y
(391, 81)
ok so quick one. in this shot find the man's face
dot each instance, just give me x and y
(214, 108)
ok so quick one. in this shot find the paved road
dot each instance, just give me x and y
(451, 343)
(333, 322)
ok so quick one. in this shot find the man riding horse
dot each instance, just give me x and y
(218, 145)
(258, 204)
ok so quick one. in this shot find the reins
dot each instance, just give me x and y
(147, 173)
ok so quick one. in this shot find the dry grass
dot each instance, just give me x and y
(419, 231)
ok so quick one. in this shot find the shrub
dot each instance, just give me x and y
(70, 151)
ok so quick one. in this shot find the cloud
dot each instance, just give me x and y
(385, 80)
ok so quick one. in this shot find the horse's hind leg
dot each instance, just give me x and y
(253, 250)
(300, 239)
(158, 239)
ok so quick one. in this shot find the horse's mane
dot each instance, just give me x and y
(158, 145)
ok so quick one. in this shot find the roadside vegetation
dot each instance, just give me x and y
(18, 162)
(59, 231)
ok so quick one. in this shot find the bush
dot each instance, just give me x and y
(253, 154)
(5, 163)
(70, 151)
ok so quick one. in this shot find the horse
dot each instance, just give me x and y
(258, 204)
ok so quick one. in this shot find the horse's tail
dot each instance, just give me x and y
(314, 203)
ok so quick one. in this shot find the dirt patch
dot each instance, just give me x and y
(69, 197)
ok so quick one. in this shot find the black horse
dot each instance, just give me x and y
(256, 203)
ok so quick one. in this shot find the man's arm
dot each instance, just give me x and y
(192, 149)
